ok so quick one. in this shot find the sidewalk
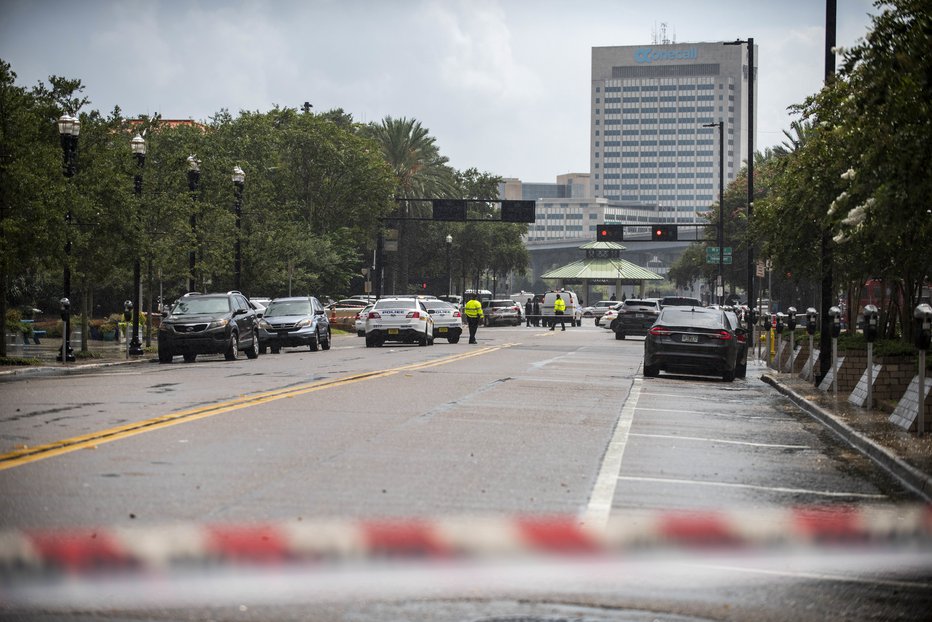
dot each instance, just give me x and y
(904, 455)
(103, 353)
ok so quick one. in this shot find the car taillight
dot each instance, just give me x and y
(374, 315)
(413, 315)
(457, 314)
(660, 331)
(722, 335)
(742, 338)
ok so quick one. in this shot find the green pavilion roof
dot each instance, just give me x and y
(606, 270)
(601, 246)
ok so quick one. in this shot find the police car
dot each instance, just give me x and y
(401, 319)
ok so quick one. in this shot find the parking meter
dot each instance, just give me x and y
(65, 309)
(835, 315)
(871, 322)
(812, 318)
(923, 316)
(780, 322)
(127, 310)
(754, 317)
(791, 318)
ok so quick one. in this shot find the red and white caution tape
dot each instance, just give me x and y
(148, 548)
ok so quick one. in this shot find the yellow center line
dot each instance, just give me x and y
(68, 445)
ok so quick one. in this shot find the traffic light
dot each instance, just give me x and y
(663, 233)
(449, 209)
(610, 233)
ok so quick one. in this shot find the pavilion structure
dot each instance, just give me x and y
(602, 265)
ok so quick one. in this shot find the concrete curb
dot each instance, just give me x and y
(62, 370)
(907, 474)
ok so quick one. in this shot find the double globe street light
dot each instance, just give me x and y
(138, 144)
(239, 182)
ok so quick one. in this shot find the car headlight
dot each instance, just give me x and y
(218, 323)
(304, 323)
(265, 325)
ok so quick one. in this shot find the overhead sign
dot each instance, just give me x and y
(711, 255)
(518, 211)
(449, 209)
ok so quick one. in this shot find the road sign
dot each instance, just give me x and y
(711, 255)
(761, 269)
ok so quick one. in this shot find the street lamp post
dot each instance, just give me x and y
(194, 179)
(138, 145)
(68, 129)
(239, 181)
(751, 81)
(721, 206)
(449, 265)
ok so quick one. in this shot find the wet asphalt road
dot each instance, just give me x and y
(527, 422)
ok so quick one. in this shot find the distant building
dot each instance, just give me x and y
(649, 103)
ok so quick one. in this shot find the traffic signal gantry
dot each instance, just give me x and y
(615, 232)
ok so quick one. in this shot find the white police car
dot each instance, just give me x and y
(401, 319)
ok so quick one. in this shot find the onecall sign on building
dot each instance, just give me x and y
(650, 55)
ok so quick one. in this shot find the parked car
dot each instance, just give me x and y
(741, 334)
(503, 311)
(573, 312)
(209, 324)
(598, 309)
(294, 322)
(635, 317)
(403, 319)
(360, 322)
(448, 321)
(259, 304)
(692, 340)
(679, 301)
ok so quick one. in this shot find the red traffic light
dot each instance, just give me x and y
(663, 233)
(610, 233)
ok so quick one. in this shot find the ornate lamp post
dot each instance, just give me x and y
(194, 180)
(68, 129)
(138, 145)
(449, 265)
(239, 181)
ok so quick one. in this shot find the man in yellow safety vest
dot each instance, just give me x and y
(473, 311)
(559, 308)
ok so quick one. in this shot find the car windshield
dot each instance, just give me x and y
(289, 307)
(201, 306)
(640, 303)
(501, 303)
(689, 317)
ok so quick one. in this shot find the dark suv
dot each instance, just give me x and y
(209, 324)
(288, 322)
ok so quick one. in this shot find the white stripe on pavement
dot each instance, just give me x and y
(718, 440)
(691, 482)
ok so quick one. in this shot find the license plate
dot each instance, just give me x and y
(283, 333)
(638, 315)
(690, 339)
(392, 331)
(442, 329)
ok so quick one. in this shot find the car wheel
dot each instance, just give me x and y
(423, 341)
(232, 352)
(313, 345)
(263, 349)
(276, 349)
(741, 370)
(651, 371)
(252, 352)
(619, 335)
(370, 342)
(729, 375)
(165, 356)
(360, 333)
(453, 339)
(189, 358)
(326, 344)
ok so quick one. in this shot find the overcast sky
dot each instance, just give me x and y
(503, 85)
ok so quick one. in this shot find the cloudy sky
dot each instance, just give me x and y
(503, 85)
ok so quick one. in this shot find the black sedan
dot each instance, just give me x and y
(691, 340)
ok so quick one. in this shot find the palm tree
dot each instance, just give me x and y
(420, 170)
(795, 137)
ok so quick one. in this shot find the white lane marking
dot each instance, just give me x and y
(710, 413)
(600, 501)
(819, 576)
(692, 482)
(718, 440)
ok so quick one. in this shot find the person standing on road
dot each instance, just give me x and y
(528, 310)
(559, 307)
(536, 311)
(473, 312)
